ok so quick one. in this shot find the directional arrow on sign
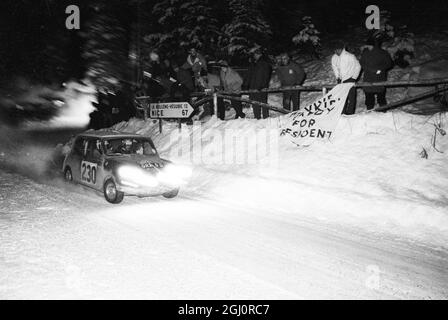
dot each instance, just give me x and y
(170, 110)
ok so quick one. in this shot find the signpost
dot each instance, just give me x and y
(170, 110)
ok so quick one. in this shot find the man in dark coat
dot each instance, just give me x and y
(153, 75)
(290, 74)
(257, 78)
(184, 84)
(375, 62)
(198, 66)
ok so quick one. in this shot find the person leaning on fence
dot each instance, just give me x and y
(346, 69)
(231, 82)
(154, 68)
(257, 78)
(153, 74)
(375, 63)
(290, 74)
(198, 65)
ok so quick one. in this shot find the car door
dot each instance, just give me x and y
(92, 164)
(75, 158)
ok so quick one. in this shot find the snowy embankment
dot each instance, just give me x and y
(371, 175)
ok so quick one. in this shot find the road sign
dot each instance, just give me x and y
(170, 110)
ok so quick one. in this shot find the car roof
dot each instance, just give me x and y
(107, 134)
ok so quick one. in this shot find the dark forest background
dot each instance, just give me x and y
(35, 44)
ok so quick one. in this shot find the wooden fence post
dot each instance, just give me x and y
(215, 104)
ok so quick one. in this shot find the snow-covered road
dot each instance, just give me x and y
(62, 241)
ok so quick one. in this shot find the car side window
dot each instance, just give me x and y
(85, 145)
(94, 149)
(149, 149)
(78, 147)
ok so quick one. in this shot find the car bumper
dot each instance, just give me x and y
(142, 191)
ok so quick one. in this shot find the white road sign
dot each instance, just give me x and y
(170, 110)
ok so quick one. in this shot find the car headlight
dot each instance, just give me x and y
(134, 175)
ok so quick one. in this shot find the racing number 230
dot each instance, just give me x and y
(88, 172)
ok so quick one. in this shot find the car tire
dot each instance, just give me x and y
(111, 194)
(171, 194)
(68, 176)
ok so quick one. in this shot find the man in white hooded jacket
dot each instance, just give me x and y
(346, 68)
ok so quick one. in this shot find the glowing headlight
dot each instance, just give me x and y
(134, 175)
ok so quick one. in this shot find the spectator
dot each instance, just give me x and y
(290, 74)
(154, 73)
(375, 63)
(257, 78)
(184, 84)
(155, 68)
(346, 69)
(197, 64)
(231, 82)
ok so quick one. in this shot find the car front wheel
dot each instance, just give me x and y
(111, 193)
(171, 194)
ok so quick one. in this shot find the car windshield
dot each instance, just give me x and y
(119, 146)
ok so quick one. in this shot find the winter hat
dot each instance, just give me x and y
(377, 35)
(375, 38)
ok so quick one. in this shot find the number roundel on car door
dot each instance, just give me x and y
(88, 172)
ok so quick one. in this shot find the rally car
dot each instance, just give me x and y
(120, 164)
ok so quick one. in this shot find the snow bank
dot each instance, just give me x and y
(371, 174)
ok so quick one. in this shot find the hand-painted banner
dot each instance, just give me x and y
(318, 120)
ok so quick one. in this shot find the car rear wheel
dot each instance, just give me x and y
(171, 194)
(111, 193)
(68, 176)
